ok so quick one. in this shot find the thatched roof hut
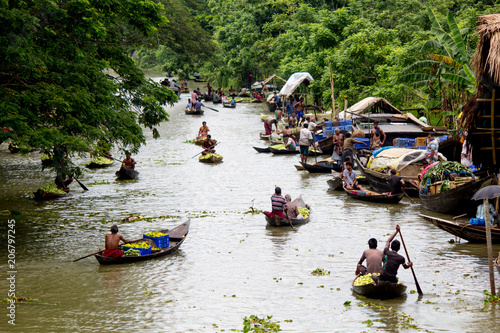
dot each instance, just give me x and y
(478, 117)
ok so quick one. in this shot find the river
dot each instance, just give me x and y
(231, 265)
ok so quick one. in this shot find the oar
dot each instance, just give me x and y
(204, 150)
(212, 109)
(82, 186)
(412, 271)
(413, 202)
(88, 255)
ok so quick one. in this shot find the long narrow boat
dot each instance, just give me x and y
(126, 173)
(281, 151)
(326, 145)
(374, 197)
(456, 200)
(194, 112)
(176, 238)
(262, 150)
(379, 181)
(322, 166)
(335, 183)
(228, 105)
(462, 229)
(277, 221)
(44, 195)
(383, 290)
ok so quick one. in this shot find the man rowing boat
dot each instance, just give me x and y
(112, 240)
(208, 145)
(278, 204)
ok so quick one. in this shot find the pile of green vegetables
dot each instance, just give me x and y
(132, 252)
(100, 160)
(442, 170)
(52, 188)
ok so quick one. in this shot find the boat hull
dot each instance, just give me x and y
(93, 165)
(335, 183)
(195, 112)
(471, 233)
(383, 290)
(379, 198)
(277, 221)
(211, 159)
(262, 150)
(126, 174)
(176, 237)
(322, 168)
(42, 195)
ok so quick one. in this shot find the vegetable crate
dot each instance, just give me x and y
(347, 122)
(421, 142)
(143, 251)
(365, 145)
(162, 241)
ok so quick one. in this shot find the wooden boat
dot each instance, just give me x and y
(454, 201)
(185, 91)
(335, 183)
(93, 165)
(462, 229)
(212, 158)
(326, 145)
(43, 195)
(262, 150)
(176, 238)
(379, 181)
(218, 101)
(207, 97)
(254, 100)
(264, 136)
(299, 167)
(228, 105)
(194, 112)
(325, 166)
(199, 141)
(374, 197)
(383, 290)
(126, 173)
(277, 221)
(271, 106)
(288, 151)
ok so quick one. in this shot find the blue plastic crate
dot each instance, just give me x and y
(144, 252)
(328, 125)
(365, 145)
(347, 122)
(410, 143)
(318, 137)
(327, 133)
(163, 241)
(422, 147)
(400, 142)
(348, 127)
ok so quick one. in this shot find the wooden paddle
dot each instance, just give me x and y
(413, 202)
(82, 186)
(212, 109)
(88, 255)
(412, 271)
(204, 150)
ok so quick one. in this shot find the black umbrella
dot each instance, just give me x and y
(488, 192)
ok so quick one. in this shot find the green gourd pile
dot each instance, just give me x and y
(304, 212)
(52, 188)
(100, 160)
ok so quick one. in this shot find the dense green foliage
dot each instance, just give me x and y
(55, 84)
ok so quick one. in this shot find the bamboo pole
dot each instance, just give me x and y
(345, 108)
(334, 112)
(493, 98)
(488, 245)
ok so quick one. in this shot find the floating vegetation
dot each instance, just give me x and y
(490, 298)
(260, 325)
(189, 141)
(102, 182)
(319, 271)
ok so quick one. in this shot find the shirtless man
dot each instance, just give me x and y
(338, 142)
(203, 130)
(128, 162)
(112, 240)
(208, 145)
(299, 108)
(377, 136)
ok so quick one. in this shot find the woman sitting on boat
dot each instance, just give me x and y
(111, 241)
(349, 176)
(208, 145)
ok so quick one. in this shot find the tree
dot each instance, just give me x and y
(56, 87)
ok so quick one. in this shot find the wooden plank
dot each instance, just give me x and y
(492, 127)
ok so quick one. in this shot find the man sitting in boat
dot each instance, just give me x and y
(373, 258)
(391, 261)
(481, 215)
(396, 183)
(61, 181)
(189, 105)
(278, 204)
(112, 240)
(377, 136)
(290, 143)
(198, 105)
(349, 176)
(291, 210)
(128, 162)
(203, 131)
(208, 145)
(233, 101)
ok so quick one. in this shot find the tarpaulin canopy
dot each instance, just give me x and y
(293, 82)
(378, 103)
(397, 158)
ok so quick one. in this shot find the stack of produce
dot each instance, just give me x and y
(207, 156)
(52, 188)
(365, 279)
(161, 239)
(132, 252)
(446, 175)
(144, 248)
(304, 212)
(100, 160)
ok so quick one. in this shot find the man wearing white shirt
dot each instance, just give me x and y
(305, 140)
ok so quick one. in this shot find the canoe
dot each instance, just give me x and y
(271, 106)
(383, 290)
(379, 181)
(211, 158)
(262, 150)
(256, 101)
(264, 136)
(218, 101)
(229, 105)
(176, 238)
(43, 195)
(288, 151)
(454, 201)
(326, 145)
(322, 167)
(207, 98)
(273, 222)
(462, 229)
(375, 197)
(126, 173)
(93, 165)
(299, 167)
(335, 183)
(199, 141)
(194, 112)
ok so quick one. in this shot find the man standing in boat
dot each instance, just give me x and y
(391, 261)
(111, 241)
(377, 136)
(338, 145)
(128, 162)
(431, 154)
(278, 204)
(373, 258)
(396, 183)
(305, 140)
(299, 108)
